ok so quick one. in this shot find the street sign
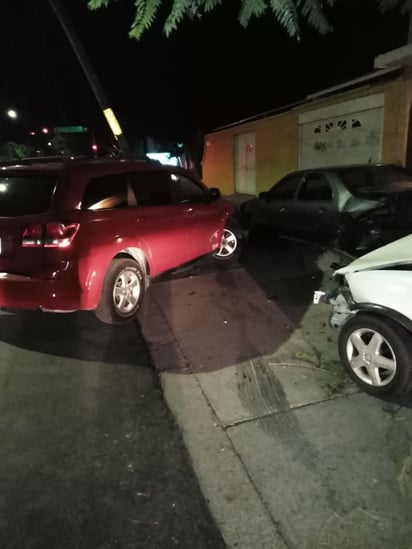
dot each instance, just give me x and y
(70, 129)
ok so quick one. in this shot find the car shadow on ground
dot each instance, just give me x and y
(77, 335)
(286, 271)
(223, 317)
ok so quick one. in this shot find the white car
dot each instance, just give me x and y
(372, 308)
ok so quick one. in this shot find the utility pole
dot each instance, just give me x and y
(91, 76)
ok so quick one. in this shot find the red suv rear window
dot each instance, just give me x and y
(25, 194)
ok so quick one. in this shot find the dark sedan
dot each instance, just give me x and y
(354, 208)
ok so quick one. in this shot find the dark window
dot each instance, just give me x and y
(186, 190)
(106, 192)
(315, 187)
(25, 195)
(286, 188)
(151, 188)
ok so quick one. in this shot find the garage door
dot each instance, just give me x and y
(345, 133)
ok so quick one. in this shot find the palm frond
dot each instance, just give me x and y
(391, 4)
(250, 8)
(209, 5)
(145, 15)
(179, 9)
(96, 4)
(313, 12)
(286, 13)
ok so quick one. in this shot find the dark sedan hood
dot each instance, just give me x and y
(394, 198)
(395, 188)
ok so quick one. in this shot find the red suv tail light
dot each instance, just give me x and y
(48, 235)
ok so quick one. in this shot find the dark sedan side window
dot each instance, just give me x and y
(316, 187)
(285, 189)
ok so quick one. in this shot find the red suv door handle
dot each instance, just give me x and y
(141, 219)
(190, 212)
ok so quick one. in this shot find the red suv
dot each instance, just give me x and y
(90, 234)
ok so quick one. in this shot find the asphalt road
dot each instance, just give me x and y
(90, 456)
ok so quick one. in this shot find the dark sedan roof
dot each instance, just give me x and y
(341, 167)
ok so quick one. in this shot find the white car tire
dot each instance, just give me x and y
(377, 354)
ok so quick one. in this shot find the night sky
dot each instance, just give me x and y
(208, 73)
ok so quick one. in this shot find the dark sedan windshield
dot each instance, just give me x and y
(372, 180)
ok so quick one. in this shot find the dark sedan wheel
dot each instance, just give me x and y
(377, 354)
(123, 292)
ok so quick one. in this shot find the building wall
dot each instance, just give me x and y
(277, 142)
(277, 137)
(396, 120)
(218, 161)
(276, 150)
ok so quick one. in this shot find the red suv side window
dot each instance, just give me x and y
(186, 190)
(151, 188)
(106, 192)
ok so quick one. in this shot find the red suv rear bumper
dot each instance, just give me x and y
(23, 292)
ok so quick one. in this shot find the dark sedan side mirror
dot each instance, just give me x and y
(214, 193)
(264, 195)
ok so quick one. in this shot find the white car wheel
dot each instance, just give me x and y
(376, 353)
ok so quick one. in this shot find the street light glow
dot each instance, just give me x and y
(11, 113)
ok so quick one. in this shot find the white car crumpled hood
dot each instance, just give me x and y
(390, 255)
(373, 278)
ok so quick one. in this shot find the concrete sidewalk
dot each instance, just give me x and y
(287, 452)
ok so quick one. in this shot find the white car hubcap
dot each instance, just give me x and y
(371, 357)
(126, 291)
(228, 245)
